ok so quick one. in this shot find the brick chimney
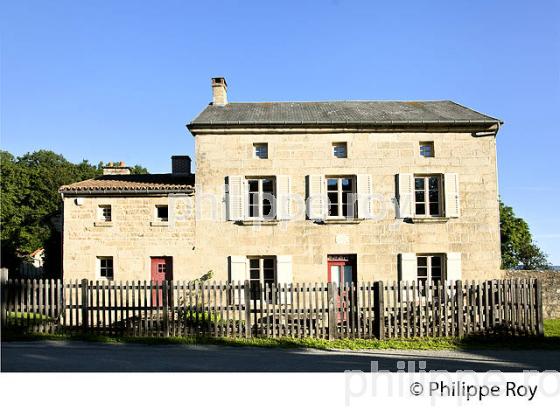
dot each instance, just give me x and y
(119, 168)
(181, 165)
(219, 91)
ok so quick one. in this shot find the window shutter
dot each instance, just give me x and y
(283, 197)
(365, 196)
(316, 201)
(235, 198)
(284, 275)
(408, 267)
(453, 266)
(451, 188)
(405, 184)
(237, 274)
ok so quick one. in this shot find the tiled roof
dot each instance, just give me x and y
(335, 113)
(133, 183)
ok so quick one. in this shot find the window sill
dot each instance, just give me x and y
(252, 222)
(424, 220)
(339, 221)
(159, 223)
(102, 224)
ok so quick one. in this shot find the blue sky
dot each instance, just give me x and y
(119, 80)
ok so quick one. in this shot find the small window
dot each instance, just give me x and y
(162, 213)
(340, 150)
(341, 193)
(261, 274)
(430, 268)
(105, 264)
(261, 150)
(427, 149)
(427, 195)
(105, 213)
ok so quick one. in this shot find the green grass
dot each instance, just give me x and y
(25, 315)
(551, 341)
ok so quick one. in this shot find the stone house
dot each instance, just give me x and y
(301, 192)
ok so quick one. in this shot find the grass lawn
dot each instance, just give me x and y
(551, 341)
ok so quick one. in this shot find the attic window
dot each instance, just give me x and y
(427, 149)
(162, 213)
(340, 150)
(105, 213)
(261, 150)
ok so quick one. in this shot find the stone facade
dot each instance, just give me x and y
(550, 288)
(376, 243)
(131, 238)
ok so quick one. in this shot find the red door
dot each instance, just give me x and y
(342, 272)
(162, 269)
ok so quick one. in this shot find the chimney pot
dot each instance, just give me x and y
(181, 165)
(219, 91)
(116, 169)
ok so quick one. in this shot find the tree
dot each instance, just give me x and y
(30, 200)
(518, 247)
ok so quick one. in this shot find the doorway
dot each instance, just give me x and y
(161, 269)
(342, 273)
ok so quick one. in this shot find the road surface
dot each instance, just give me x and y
(74, 356)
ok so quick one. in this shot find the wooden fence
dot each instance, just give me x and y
(354, 310)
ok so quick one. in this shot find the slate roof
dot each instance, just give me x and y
(137, 183)
(333, 113)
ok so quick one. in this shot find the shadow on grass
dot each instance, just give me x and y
(477, 342)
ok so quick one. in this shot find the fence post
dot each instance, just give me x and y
(459, 304)
(85, 305)
(332, 311)
(4, 295)
(379, 309)
(165, 304)
(539, 308)
(247, 296)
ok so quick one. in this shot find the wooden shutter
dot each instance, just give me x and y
(316, 200)
(408, 267)
(451, 188)
(235, 198)
(238, 273)
(405, 183)
(283, 197)
(365, 192)
(284, 275)
(453, 269)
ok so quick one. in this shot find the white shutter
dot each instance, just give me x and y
(405, 184)
(235, 198)
(238, 274)
(365, 196)
(453, 266)
(408, 267)
(451, 188)
(284, 276)
(316, 201)
(283, 197)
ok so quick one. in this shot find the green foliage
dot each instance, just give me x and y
(518, 247)
(30, 200)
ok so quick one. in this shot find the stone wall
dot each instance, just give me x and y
(475, 234)
(550, 287)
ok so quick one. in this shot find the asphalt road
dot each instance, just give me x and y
(72, 356)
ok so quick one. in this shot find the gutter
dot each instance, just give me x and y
(123, 192)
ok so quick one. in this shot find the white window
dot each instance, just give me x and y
(341, 193)
(340, 150)
(104, 213)
(262, 273)
(427, 195)
(105, 267)
(430, 268)
(427, 149)
(261, 150)
(162, 213)
(261, 201)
